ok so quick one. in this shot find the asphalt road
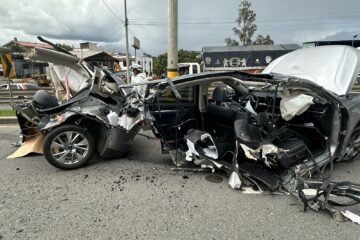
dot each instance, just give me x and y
(140, 197)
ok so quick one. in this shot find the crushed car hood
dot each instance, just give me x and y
(333, 67)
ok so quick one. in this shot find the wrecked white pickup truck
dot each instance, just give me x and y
(272, 131)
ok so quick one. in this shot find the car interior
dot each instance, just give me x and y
(249, 112)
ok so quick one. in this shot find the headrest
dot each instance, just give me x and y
(219, 94)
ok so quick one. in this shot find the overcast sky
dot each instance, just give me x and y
(201, 22)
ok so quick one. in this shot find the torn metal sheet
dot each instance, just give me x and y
(200, 141)
(250, 153)
(113, 118)
(129, 122)
(261, 152)
(191, 150)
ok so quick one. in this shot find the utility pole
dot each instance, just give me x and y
(127, 46)
(172, 62)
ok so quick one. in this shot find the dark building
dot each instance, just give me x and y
(102, 59)
(251, 58)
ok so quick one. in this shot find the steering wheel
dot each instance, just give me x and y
(254, 100)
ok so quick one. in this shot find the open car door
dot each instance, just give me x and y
(174, 116)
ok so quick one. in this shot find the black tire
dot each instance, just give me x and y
(81, 146)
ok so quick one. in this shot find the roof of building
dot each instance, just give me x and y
(93, 54)
(252, 48)
(84, 53)
(28, 44)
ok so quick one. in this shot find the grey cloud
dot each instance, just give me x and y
(4, 12)
(203, 22)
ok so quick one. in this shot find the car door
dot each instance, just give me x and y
(174, 117)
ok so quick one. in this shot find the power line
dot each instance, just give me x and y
(275, 20)
(267, 18)
(222, 23)
(268, 25)
(113, 12)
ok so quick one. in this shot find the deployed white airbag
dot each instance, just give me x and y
(294, 105)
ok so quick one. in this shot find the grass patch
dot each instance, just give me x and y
(7, 113)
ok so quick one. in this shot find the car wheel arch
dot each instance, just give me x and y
(86, 123)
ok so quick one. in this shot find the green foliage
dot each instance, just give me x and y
(160, 62)
(246, 28)
(17, 49)
(231, 42)
(246, 23)
(261, 40)
(188, 56)
(65, 46)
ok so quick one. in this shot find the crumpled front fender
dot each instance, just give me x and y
(58, 120)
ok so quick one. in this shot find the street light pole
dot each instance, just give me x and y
(355, 36)
(127, 45)
(172, 63)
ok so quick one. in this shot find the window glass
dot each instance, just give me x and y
(187, 95)
(195, 69)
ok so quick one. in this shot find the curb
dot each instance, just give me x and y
(8, 120)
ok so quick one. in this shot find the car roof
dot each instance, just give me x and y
(236, 74)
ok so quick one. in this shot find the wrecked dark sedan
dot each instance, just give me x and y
(272, 131)
(89, 113)
(281, 131)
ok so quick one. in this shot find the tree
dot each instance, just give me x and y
(231, 42)
(261, 40)
(246, 27)
(188, 56)
(160, 62)
(17, 49)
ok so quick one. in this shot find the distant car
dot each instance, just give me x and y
(19, 86)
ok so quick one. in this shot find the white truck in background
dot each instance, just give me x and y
(188, 68)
